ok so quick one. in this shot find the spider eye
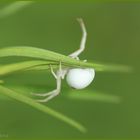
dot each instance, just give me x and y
(80, 78)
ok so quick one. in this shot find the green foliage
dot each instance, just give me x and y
(10, 68)
(42, 59)
(52, 57)
(20, 97)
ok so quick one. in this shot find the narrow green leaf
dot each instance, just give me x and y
(22, 98)
(88, 95)
(13, 8)
(97, 67)
(42, 67)
(9, 68)
(38, 53)
(81, 95)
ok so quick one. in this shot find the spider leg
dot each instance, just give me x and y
(42, 94)
(55, 92)
(83, 40)
(49, 93)
(62, 71)
(53, 73)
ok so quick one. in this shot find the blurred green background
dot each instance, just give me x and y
(113, 37)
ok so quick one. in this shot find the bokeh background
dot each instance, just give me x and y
(113, 37)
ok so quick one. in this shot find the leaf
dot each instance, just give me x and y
(38, 53)
(13, 8)
(88, 95)
(81, 95)
(9, 68)
(98, 67)
(22, 98)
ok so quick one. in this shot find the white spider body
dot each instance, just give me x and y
(80, 78)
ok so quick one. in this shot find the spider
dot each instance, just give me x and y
(77, 78)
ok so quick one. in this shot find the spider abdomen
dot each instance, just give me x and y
(80, 78)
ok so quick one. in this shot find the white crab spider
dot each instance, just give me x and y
(77, 78)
